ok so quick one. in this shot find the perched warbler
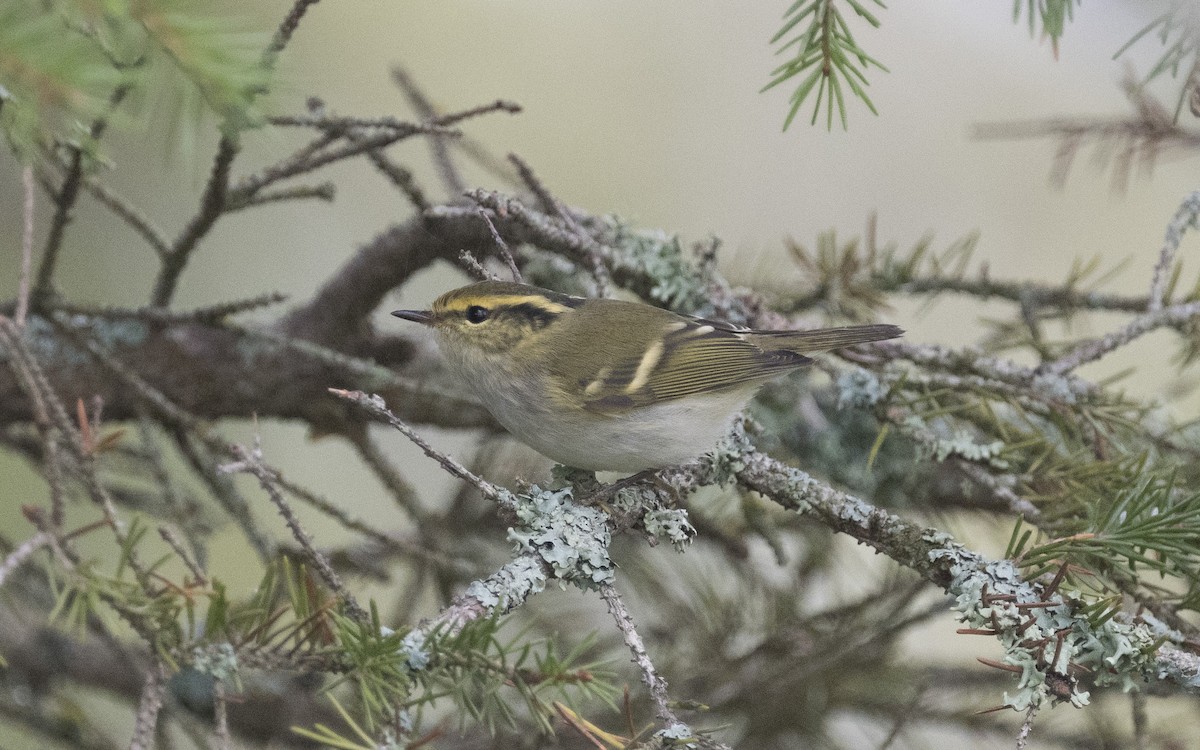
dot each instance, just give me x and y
(609, 385)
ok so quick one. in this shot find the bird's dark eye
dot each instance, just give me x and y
(477, 314)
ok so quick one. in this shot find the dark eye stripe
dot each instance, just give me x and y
(538, 316)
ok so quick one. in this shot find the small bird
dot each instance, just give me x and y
(609, 385)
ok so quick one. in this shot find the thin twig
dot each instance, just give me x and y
(1066, 297)
(212, 205)
(387, 539)
(322, 192)
(1026, 728)
(1002, 488)
(23, 288)
(1184, 219)
(218, 312)
(375, 405)
(221, 715)
(549, 203)
(228, 496)
(401, 177)
(505, 252)
(302, 162)
(210, 314)
(286, 29)
(147, 714)
(1141, 719)
(656, 684)
(547, 232)
(290, 165)
(65, 197)
(596, 252)
(176, 546)
(1090, 351)
(352, 129)
(131, 215)
(977, 362)
(475, 268)
(250, 461)
(339, 124)
(23, 553)
(186, 512)
(441, 151)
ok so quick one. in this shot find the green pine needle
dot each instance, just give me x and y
(826, 58)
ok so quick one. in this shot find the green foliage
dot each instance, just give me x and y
(826, 57)
(88, 590)
(850, 279)
(1061, 450)
(325, 735)
(1149, 524)
(1178, 31)
(491, 681)
(50, 77)
(64, 63)
(1048, 17)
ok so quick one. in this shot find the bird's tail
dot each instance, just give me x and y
(826, 339)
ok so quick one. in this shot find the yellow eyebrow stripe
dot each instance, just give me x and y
(506, 300)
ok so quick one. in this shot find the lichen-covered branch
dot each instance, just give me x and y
(1043, 631)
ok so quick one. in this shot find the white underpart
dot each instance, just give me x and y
(670, 432)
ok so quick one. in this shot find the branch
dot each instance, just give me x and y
(499, 593)
(22, 553)
(375, 406)
(656, 684)
(1090, 351)
(989, 593)
(65, 197)
(146, 721)
(250, 462)
(286, 29)
(212, 205)
(1184, 219)
(23, 288)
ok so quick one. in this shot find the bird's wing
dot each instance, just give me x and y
(692, 357)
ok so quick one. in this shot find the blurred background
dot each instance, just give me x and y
(652, 111)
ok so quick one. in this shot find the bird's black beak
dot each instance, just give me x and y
(424, 317)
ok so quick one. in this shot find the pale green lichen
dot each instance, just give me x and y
(859, 388)
(46, 345)
(671, 524)
(961, 444)
(680, 284)
(676, 735)
(728, 458)
(514, 582)
(1177, 666)
(988, 595)
(1056, 387)
(219, 660)
(416, 656)
(571, 539)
